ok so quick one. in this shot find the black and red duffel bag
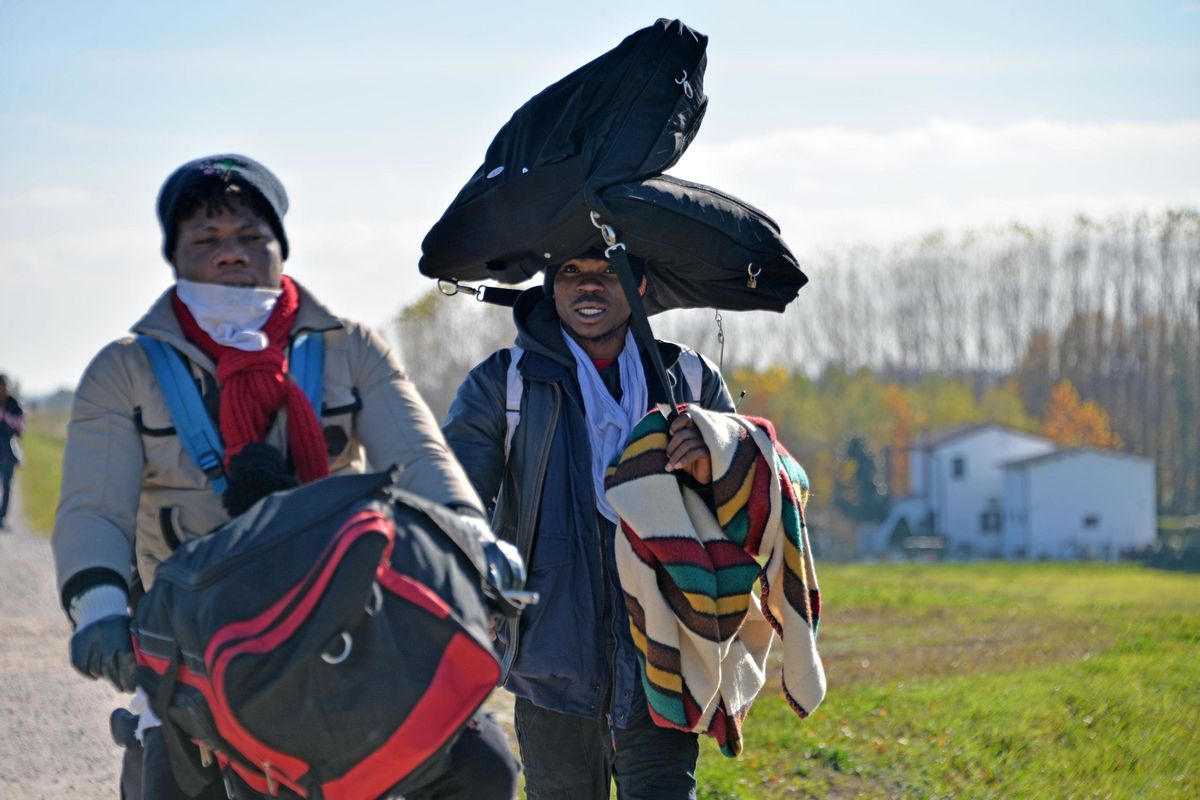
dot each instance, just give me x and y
(325, 644)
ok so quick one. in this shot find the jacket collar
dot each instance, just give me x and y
(160, 323)
(540, 331)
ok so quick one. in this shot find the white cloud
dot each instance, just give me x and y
(81, 263)
(831, 184)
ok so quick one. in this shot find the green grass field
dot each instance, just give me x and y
(988, 680)
(39, 475)
(950, 680)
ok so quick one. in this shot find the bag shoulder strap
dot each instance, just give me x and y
(514, 390)
(192, 424)
(689, 362)
(307, 367)
(693, 373)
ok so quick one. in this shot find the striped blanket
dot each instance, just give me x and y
(688, 566)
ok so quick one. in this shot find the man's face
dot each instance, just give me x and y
(234, 248)
(589, 300)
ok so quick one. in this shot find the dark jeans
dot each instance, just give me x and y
(576, 758)
(6, 476)
(478, 767)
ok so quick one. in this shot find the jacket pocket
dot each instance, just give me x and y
(549, 552)
(337, 421)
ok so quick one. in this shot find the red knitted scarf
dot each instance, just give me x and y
(254, 386)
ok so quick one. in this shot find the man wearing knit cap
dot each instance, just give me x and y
(130, 491)
(536, 426)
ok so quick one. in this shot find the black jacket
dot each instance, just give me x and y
(572, 651)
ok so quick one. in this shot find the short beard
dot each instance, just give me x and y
(606, 336)
(615, 332)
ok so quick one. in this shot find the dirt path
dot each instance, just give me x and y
(54, 739)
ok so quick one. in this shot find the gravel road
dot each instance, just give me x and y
(54, 740)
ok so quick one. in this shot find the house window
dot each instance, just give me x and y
(1091, 521)
(992, 520)
(958, 467)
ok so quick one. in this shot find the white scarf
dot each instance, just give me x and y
(232, 315)
(609, 423)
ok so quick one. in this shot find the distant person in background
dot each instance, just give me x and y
(12, 425)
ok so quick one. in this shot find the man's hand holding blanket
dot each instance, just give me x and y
(688, 556)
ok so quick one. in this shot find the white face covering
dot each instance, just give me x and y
(232, 315)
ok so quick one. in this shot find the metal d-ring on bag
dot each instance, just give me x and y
(347, 645)
(374, 604)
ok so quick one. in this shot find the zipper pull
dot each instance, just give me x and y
(272, 786)
(206, 754)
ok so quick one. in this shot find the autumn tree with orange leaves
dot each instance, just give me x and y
(1072, 422)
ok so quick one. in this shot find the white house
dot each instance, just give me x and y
(1078, 504)
(986, 491)
(956, 487)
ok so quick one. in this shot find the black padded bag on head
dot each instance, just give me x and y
(702, 248)
(628, 114)
(328, 643)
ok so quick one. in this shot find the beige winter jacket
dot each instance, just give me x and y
(129, 490)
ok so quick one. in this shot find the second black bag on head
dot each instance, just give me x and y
(628, 114)
(330, 642)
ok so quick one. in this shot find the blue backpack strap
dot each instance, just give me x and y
(192, 424)
(307, 367)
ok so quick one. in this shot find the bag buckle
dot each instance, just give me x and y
(210, 465)
(752, 281)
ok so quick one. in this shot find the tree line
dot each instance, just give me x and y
(884, 345)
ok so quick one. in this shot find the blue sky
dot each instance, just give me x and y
(847, 122)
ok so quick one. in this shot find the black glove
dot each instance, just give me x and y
(255, 472)
(104, 649)
(506, 570)
(504, 586)
(505, 579)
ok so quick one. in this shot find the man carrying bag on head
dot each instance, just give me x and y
(536, 427)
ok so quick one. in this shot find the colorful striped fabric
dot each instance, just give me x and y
(688, 562)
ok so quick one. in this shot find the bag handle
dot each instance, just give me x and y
(191, 777)
(657, 382)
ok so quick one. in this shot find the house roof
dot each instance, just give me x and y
(1055, 455)
(945, 436)
(938, 438)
